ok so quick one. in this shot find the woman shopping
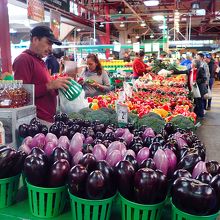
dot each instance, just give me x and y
(94, 79)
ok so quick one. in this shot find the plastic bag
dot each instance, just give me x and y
(76, 105)
(195, 90)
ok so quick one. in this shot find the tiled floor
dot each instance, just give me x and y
(209, 132)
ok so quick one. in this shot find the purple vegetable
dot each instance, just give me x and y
(49, 147)
(25, 148)
(88, 140)
(142, 155)
(116, 145)
(199, 168)
(51, 138)
(172, 160)
(77, 157)
(161, 161)
(128, 137)
(119, 132)
(76, 144)
(114, 157)
(149, 132)
(38, 141)
(64, 142)
(129, 152)
(27, 141)
(99, 151)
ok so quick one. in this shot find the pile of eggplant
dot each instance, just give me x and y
(11, 162)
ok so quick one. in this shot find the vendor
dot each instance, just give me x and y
(30, 68)
(139, 67)
(95, 79)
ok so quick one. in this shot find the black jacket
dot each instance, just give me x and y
(201, 81)
(211, 65)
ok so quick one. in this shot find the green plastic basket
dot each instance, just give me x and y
(73, 91)
(8, 190)
(135, 211)
(83, 209)
(180, 215)
(46, 202)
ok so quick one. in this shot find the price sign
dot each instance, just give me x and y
(147, 47)
(121, 96)
(122, 112)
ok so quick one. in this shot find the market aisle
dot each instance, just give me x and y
(209, 132)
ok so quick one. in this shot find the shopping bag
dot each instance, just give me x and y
(75, 105)
(209, 93)
(195, 90)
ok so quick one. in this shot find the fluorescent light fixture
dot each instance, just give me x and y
(151, 36)
(78, 29)
(122, 24)
(150, 3)
(12, 31)
(137, 36)
(101, 25)
(129, 41)
(162, 27)
(143, 24)
(158, 17)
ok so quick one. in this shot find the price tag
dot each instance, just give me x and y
(121, 96)
(122, 112)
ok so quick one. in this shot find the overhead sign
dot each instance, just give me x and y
(61, 4)
(156, 47)
(136, 47)
(117, 47)
(55, 22)
(35, 10)
(147, 47)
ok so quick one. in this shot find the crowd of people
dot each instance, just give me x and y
(31, 67)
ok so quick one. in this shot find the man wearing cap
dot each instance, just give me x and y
(201, 58)
(30, 68)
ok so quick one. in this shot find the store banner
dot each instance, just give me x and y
(147, 47)
(156, 47)
(61, 4)
(35, 10)
(55, 18)
(136, 47)
(117, 47)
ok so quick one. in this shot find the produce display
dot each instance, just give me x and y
(114, 65)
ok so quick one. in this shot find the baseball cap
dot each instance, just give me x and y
(44, 31)
(207, 55)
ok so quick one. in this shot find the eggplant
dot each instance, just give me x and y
(213, 167)
(23, 130)
(193, 196)
(148, 141)
(96, 185)
(154, 147)
(204, 177)
(88, 161)
(58, 173)
(169, 128)
(37, 151)
(109, 175)
(33, 129)
(57, 117)
(64, 117)
(60, 153)
(19, 165)
(77, 180)
(137, 139)
(125, 177)
(106, 143)
(136, 147)
(149, 163)
(44, 129)
(87, 148)
(133, 161)
(99, 135)
(8, 158)
(54, 129)
(62, 131)
(159, 139)
(181, 173)
(215, 184)
(86, 123)
(36, 170)
(189, 161)
(70, 134)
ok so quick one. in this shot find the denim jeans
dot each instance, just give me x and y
(199, 108)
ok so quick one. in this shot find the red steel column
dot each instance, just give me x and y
(5, 37)
(107, 30)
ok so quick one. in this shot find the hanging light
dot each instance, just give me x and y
(162, 27)
(137, 36)
(151, 36)
(101, 25)
(78, 29)
(158, 17)
(150, 3)
(129, 41)
(195, 5)
(143, 24)
(122, 24)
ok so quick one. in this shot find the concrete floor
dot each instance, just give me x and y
(209, 132)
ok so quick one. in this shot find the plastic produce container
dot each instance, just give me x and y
(134, 211)
(46, 202)
(8, 190)
(180, 215)
(83, 209)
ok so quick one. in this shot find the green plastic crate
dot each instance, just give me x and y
(84, 209)
(180, 215)
(46, 202)
(134, 211)
(8, 190)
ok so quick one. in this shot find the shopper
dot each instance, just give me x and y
(211, 65)
(126, 57)
(199, 77)
(187, 62)
(30, 68)
(95, 79)
(201, 58)
(139, 67)
(52, 64)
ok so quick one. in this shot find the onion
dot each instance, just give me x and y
(49, 147)
(149, 132)
(128, 137)
(172, 160)
(76, 144)
(25, 148)
(77, 157)
(99, 151)
(64, 142)
(161, 161)
(116, 145)
(142, 155)
(38, 141)
(51, 138)
(88, 140)
(129, 152)
(114, 157)
(119, 132)
(27, 141)
(199, 168)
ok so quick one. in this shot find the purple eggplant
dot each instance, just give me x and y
(149, 163)
(88, 161)
(133, 161)
(58, 173)
(60, 153)
(77, 180)
(213, 167)
(204, 177)
(19, 165)
(181, 173)
(96, 185)
(23, 130)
